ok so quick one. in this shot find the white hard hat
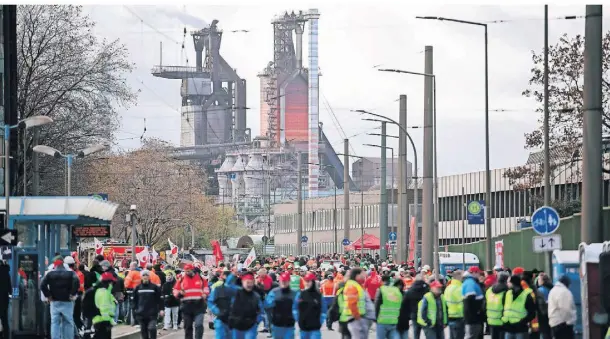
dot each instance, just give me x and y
(68, 260)
(426, 268)
(304, 268)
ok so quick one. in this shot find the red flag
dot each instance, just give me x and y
(110, 256)
(216, 250)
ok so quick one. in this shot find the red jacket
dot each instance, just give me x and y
(372, 284)
(490, 281)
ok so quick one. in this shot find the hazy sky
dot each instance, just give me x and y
(352, 40)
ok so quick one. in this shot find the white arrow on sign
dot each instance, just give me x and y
(8, 237)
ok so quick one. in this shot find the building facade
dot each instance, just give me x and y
(512, 201)
(367, 172)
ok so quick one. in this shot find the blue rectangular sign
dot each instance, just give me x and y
(475, 212)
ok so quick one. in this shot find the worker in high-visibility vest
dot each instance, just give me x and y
(296, 281)
(354, 305)
(429, 308)
(455, 306)
(519, 309)
(328, 290)
(387, 308)
(534, 326)
(495, 299)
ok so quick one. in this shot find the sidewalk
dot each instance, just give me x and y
(125, 332)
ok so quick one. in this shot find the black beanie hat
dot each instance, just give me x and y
(515, 280)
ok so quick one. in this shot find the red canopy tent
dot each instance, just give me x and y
(370, 241)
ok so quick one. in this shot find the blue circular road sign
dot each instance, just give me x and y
(304, 238)
(345, 242)
(392, 236)
(545, 220)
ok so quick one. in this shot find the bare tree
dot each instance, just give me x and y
(566, 84)
(169, 193)
(67, 73)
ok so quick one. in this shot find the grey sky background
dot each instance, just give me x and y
(353, 39)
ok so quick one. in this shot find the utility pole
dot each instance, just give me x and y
(403, 183)
(383, 213)
(299, 205)
(346, 221)
(336, 235)
(428, 198)
(591, 221)
(548, 266)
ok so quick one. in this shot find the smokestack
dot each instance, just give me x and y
(299, 47)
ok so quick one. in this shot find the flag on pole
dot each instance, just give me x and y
(250, 259)
(172, 247)
(99, 247)
(154, 255)
(143, 257)
(216, 251)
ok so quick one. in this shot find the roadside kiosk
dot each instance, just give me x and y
(46, 226)
(451, 261)
(567, 263)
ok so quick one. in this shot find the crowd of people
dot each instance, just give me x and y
(400, 300)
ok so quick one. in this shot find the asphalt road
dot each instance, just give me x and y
(209, 334)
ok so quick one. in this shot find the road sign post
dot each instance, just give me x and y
(392, 236)
(476, 212)
(546, 243)
(304, 240)
(545, 220)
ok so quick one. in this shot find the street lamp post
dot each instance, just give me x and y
(392, 195)
(416, 189)
(27, 123)
(48, 150)
(487, 208)
(361, 200)
(435, 235)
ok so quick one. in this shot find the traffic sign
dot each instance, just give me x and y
(546, 243)
(345, 242)
(8, 237)
(304, 239)
(545, 220)
(392, 236)
(476, 212)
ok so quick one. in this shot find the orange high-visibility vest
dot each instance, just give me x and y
(191, 288)
(327, 288)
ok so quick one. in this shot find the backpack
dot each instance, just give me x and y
(89, 308)
(334, 311)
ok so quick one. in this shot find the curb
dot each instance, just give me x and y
(135, 334)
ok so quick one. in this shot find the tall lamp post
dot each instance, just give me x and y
(487, 208)
(48, 150)
(384, 149)
(27, 123)
(436, 207)
(416, 188)
(361, 200)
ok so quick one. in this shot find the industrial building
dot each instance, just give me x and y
(366, 172)
(251, 173)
